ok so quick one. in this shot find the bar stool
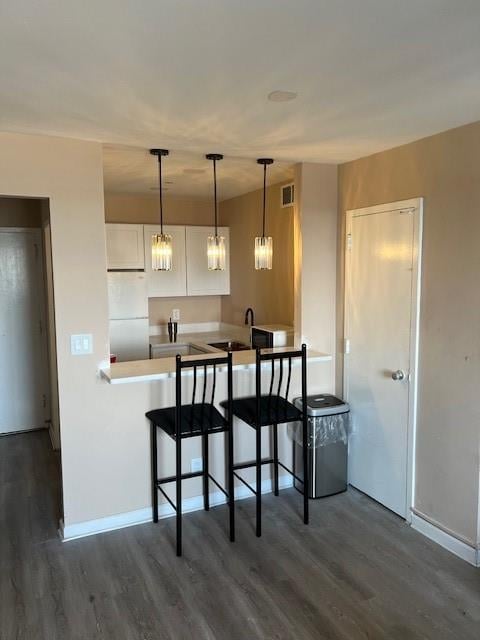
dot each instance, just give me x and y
(198, 419)
(271, 410)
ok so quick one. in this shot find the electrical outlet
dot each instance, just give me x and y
(196, 464)
(176, 315)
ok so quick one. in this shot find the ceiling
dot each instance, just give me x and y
(134, 170)
(194, 76)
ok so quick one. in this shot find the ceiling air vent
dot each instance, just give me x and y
(287, 195)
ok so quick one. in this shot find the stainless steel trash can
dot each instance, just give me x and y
(328, 418)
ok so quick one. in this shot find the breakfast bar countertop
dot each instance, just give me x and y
(164, 368)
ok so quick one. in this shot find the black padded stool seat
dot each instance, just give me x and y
(273, 410)
(196, 419)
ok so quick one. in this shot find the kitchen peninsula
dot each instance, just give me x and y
(164, 368)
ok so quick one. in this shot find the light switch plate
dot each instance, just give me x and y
(81, 344)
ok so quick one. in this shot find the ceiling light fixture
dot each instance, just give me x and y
(282, 96)
(263, 243)
(161, 242)
(215, 243)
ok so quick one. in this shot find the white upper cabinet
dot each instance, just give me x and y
(201, 281)
(125, 246)
(166, 283)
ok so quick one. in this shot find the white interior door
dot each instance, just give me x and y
(23, 363)
(381, 318)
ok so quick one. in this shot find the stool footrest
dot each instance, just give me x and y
(186, 476)
(245, 483)
(290, 472)
(225, 493)
(172, 504)
(252, 463)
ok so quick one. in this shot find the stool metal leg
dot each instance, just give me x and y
(306, 485)
(206, 501)
(231, 484)
(231, 481)
(275, 459)
(178, 473)
(153, 442)
(259, 481)
(306, 479)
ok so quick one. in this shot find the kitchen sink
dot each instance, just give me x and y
(170, 350)
(230, 345)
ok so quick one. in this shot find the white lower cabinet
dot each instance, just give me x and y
(161, 284)
(201, 281)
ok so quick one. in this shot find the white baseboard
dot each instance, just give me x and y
(425, 526)
(140, 516)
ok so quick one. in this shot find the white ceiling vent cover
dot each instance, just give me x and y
(287, 195)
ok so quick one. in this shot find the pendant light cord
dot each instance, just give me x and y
(215, 193)
(264, 196)
(160, 192)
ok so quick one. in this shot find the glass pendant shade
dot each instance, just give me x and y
(162, 252)
(263, 252)
(215, 243)
(216, 253)
(263, 243)
(161, 242)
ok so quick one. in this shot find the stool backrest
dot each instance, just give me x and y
(206, 366)
(275, 388)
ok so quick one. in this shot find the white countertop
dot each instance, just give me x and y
(240, 334)
(164, 368)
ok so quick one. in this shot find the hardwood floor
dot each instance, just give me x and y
(357, 571)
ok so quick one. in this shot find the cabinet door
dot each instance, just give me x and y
(201, 281)
(125, 246)
(161, 284)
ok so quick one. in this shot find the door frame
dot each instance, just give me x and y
(417, 205)
(36, 232)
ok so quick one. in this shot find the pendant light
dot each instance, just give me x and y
(263, 243)
(161, 242)
(215, 243)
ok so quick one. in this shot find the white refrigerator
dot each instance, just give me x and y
(128, 315)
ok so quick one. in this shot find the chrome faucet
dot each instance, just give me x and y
(252, 316)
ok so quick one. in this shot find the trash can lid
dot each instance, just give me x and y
(323, 404)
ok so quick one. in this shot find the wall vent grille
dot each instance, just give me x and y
(287, 195)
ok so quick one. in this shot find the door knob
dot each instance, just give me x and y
(398, 375)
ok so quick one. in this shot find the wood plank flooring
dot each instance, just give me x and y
(357, 571)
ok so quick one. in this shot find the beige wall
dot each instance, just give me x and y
(69, 173)
(143, 209)
(316, 259)
(444, 169)
(192, 309)
(269, 293)
(20, 212)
